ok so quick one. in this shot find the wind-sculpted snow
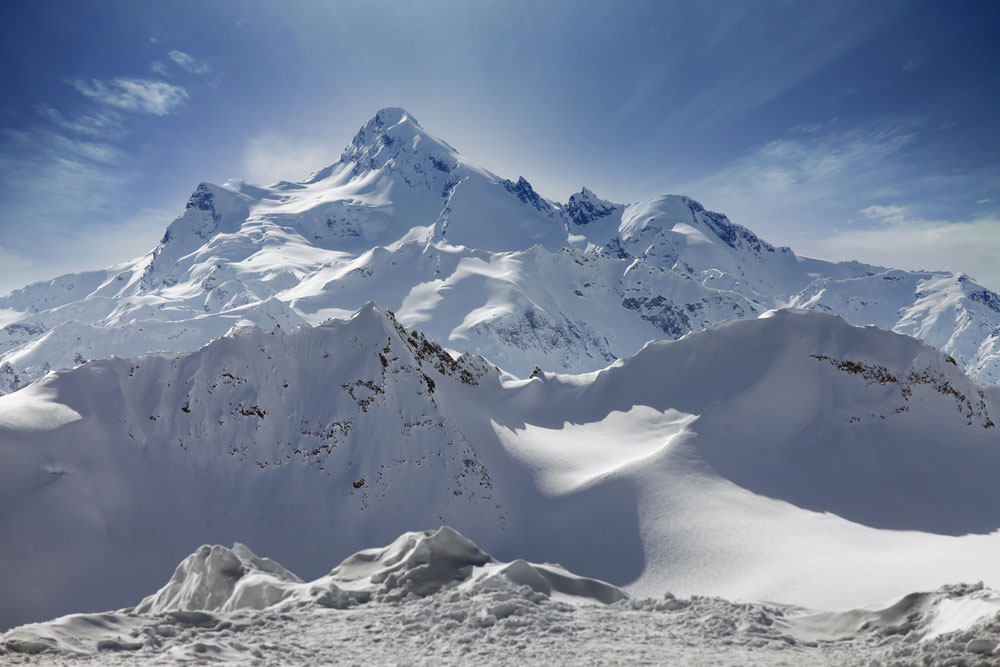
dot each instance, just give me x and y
(416, 564)
(481, 263)
(760, 459)
(434, 597)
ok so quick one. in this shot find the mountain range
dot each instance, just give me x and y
(404, 341)
(479, 263)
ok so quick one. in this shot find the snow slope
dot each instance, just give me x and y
(768, 458)
(436, 598)
(480, 263)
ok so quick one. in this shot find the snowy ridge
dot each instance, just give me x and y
(434, 596)
(724, 463)
(481, 263)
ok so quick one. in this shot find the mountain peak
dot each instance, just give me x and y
(393, 115)
(382, 129)
(585, 207)
(384, 120)
(391, 134)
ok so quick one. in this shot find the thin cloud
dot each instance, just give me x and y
(788, 189)
(902, 240)
(13, 268)
(159, 68)
(47, 178)
(272, 157)
(96, 152)
(60, 195)
(105, 124)
(188, 62)
(806, 128)
(892, 215)
(83, 247)
(158, 98)
(739, 40)
(840, 196)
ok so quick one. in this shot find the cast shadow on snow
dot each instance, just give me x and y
(955, 494)
(605, 545)
(885, 478)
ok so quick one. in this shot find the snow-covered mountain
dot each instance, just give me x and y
(480, 263)
(760, 459)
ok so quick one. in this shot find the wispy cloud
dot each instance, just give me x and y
(808, 177)
(105, 124)
(189, 62)
(745, 66)
(807, 128)
(271, 157)
(83, 247)
(901, 239)
(158, 98)
(13, 268)
(836, 195)
(65, 182)
(48, 178)
(158, 67)
(892, 215)
(96, 151)
(66, 206)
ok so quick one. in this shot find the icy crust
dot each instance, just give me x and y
(435, 598)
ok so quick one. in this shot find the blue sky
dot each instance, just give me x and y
(844, 129)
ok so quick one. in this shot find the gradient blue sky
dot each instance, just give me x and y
(844, 129)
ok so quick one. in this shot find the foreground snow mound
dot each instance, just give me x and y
(497, 621)
(216, 582)
(924, 616)
(417, 563)
(215, 578)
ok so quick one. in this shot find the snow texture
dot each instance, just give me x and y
(436, 598)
